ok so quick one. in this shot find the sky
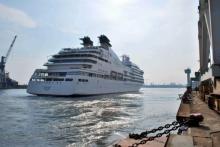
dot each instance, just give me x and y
(160, 36)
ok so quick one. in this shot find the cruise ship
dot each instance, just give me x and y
(89, 70)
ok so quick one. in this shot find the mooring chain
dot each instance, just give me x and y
(151, 138)
(144, 134)
(176, 125)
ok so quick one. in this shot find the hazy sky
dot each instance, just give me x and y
(159, 35)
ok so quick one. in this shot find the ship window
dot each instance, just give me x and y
(74, 73)
(62, 74)
(69, 80)
(106, 76)
(90, 74)
(75, 60)
(87, 66)
(58, 79)
(83, 80)
(48, 79)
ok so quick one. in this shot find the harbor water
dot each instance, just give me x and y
(96, 121)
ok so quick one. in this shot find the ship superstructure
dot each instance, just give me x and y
(88, 70)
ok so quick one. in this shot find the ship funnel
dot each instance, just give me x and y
(86, 41)
(104, 41)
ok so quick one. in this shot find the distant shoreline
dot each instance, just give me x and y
(164, 86)
(16, 87)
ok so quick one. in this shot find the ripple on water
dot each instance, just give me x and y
(81, 121)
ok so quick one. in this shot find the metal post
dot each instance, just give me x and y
(188, 71)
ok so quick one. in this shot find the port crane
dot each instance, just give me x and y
(3, 75)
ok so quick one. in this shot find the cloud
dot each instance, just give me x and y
(16, 16)
(159, 36)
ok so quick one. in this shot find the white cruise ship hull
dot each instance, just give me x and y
(89, 70)
(92, 87)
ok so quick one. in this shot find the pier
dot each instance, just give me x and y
(208, 133)
(204, 100)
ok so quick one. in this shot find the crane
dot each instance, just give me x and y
(5, 58)
(3, 75)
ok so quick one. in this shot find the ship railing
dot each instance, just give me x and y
(40, 70)
(67, 50)
(38, 76)
(47, 78)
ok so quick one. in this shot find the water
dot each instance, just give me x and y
(96, 121)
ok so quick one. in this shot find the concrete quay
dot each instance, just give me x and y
(207, 134)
